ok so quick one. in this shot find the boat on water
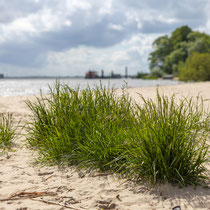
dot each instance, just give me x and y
(91, 75)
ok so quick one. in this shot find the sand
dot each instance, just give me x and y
(25, 185)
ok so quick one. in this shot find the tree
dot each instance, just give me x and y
(172, 61)
(162, 47)
(180, 35)
(201, 45)
(171, 52)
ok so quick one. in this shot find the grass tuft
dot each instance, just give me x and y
(170, 142)
(86, 128)
(7, 131)
(96, 130)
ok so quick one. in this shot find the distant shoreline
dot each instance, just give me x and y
(66, 77)
(45, 77)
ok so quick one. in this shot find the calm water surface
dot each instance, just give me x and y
(19, 87)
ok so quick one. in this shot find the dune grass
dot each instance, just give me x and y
(170, 142)
(86, 128)
(7, 131)
(96, 130)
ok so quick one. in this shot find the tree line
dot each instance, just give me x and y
(185, 54)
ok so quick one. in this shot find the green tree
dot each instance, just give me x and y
(194, 35)
(180, 35)
(200, 43)
(172, 61)
(196, 67)
(162, 48)
(171, 52)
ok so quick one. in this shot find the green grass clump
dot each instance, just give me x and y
(96, 130)
(170, 141)
(7, 131)
(86, 128)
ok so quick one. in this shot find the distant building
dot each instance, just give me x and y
(102, 73)
(113, 75)
(94, 75)
(1, 76)
(91, 75)
(126, 72)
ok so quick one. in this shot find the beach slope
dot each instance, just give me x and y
(25, 185)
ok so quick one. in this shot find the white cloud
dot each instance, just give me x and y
(75, 4)
(106, 9)
(132, 53)
(33, 25)
(115, 27)
(70, 36)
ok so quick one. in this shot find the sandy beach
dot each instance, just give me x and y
(25, 185)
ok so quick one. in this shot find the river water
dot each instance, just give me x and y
(20, 87)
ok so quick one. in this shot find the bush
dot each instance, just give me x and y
(96, 130)
(141, 75)
(196, 68)
(7, 131)
(155, 74)
(150, 76)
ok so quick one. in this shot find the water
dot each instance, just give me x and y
(20, 87)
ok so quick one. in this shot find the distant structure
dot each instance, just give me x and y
(91, 75)
(126, 72)
(94, 75)
(102, 73)
(113, 75)
(1, 76)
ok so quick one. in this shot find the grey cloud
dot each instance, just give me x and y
(168, 6)
(98, 34)
(91, 29)
(22, 54)
(157, 27)
(185, 12)
(12, 9)
(190, 12)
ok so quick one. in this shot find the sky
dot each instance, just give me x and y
(69, 37)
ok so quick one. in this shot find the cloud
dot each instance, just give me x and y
(100, 34)
(11, 10)
(164, 16)
(22, 54)
(35, 31)
(128, 53)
